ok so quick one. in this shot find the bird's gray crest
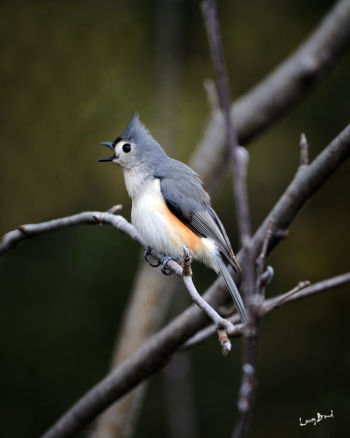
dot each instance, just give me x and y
(136, 131)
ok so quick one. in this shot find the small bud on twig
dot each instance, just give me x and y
(115, 209)
(186, 264)
(304, 149)
(224, 341)
(266, 277)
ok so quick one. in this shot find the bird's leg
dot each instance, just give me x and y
(165, 261)
(145, 256)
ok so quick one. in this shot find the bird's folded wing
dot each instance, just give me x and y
(187, 200)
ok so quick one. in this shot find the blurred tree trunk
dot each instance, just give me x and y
(152, 292)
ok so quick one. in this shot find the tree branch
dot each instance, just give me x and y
(239, 165)
(276, 93)
(314, 289)
(300, 292)
(154, 353)
(239, 168)
(14, 237)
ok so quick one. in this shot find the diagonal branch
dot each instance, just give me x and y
(153, 354)
(238, 175)
(277, 93)
(313, 289)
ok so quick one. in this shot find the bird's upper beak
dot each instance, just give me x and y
(110, 146)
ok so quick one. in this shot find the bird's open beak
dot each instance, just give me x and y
(110, 146)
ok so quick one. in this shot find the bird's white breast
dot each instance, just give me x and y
(149, 218)
(157, 226)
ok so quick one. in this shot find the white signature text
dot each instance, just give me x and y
(319, 417)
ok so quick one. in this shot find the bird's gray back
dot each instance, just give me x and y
(184, 195)
(182, 185)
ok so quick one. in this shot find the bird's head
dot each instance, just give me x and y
(135, 147)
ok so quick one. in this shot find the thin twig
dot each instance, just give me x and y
(264, 280)
(222, 325)
(284, 298)
(263, 277)
(275, 302)
(212, 94)
(304, 150)
(313, 289)
(115, 209)
(260, 262)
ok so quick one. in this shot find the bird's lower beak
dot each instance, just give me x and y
(110, 146)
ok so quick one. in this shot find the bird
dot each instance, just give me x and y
(170, 208)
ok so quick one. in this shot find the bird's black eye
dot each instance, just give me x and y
(126, 147)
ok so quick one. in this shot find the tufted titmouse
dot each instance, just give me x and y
(170, 208)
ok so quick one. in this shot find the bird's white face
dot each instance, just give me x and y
(125, 154)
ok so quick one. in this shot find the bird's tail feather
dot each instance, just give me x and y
(232, 289)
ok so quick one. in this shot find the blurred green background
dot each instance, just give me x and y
(71, 75)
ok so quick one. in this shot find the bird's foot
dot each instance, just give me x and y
(145, 256)
(165, 261)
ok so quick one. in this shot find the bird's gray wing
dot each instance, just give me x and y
(210, 225)
(186, 199)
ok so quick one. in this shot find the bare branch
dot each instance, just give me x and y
(12, 238)
(275, 94)
(239, 168)
(239, 164)
(299, 292)
(305, 183)
(212, 95)
(301, 285)
(314, 289)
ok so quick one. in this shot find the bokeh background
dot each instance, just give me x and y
(71, 75)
